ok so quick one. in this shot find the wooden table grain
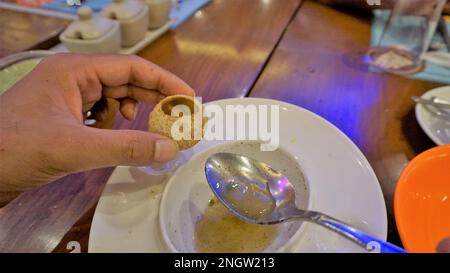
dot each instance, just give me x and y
(220, 52)
(236, 48)
(318, 66)
(21, 31)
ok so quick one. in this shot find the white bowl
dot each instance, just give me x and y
(437, 128)
(341, 184)
(187, 195)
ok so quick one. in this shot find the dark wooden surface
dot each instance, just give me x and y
(318, 66)
(22, 31)
(220, 52)
(228, 50)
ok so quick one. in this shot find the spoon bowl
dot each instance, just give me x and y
(257, 193)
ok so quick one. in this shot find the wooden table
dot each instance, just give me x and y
(304, 54)
(22, 31)
(220, 52)
(318, 66)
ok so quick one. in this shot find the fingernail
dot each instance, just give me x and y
(165, 150)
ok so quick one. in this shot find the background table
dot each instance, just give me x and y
(306, 54)
(20, 31)
(318, 66)
(220, 52)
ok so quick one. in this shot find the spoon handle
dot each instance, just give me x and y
(363, 239)
(440, 105)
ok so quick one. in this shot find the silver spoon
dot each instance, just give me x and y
(257, 193)
(435, 106)
(431, 102)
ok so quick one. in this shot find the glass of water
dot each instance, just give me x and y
(406, 36)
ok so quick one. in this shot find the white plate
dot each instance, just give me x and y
(341, 183)
(16, 66)
(436, 128)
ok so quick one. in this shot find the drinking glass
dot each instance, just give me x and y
(406, 36)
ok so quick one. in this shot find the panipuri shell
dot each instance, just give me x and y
(161, 122)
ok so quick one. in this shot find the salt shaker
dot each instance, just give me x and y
(159, 11)
(132, 16)
(91, 34)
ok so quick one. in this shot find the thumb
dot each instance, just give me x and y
(105, 148)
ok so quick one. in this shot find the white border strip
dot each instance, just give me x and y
(50, 13)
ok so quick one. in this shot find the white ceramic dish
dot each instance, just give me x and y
(187, 194)
(435, 127)
(150, 36)
(16, 66)
(341, 184)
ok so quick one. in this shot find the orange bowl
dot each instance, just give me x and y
(422, 200)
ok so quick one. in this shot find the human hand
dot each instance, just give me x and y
(42, 131)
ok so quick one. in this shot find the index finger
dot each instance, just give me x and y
(116, 70)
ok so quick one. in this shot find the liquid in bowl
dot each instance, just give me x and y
(185, 203)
